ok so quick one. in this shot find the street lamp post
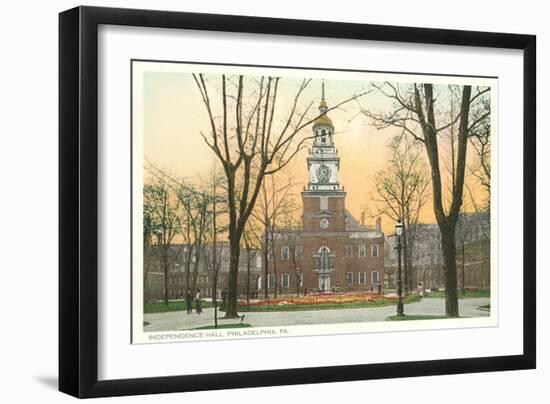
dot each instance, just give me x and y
(399, 232)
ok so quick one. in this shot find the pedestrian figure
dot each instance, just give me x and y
(224, 299)
(420, 290)
(189, 301)
(198, 303)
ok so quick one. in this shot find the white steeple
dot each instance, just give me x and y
(323, 161)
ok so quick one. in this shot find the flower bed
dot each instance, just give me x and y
(321, 299)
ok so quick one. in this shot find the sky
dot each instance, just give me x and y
(174, 115)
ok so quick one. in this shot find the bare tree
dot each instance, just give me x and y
(462, 233)
(479, 169)
(292, 226)
(402, 188)
(423, 115)
(480, 140)
(213, 257)
(274, 200)
(149, 228)
(252, 244)
(246, 137)
(196, 203)
(195, 218)
(161, 208)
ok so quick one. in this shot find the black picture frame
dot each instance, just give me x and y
(78, 200)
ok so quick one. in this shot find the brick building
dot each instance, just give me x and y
(249, 272)
(331, 250)
(473, 251)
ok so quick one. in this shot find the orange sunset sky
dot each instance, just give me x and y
(173, 116)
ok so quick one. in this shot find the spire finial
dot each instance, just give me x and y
(323, 105)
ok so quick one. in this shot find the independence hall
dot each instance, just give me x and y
(332, 251)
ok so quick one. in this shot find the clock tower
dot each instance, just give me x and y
(336, 253)
(323, 198)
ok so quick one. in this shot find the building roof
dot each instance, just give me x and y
(323, 120)
(352, 224)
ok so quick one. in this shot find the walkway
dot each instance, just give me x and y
(180, 320)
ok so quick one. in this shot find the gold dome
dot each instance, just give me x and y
(323, 107)
(323, 120)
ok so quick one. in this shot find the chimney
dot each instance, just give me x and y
(378, 223)
(362, 218)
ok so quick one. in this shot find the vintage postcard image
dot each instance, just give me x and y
(280, 202)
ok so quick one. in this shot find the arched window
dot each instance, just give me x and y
(324, 261)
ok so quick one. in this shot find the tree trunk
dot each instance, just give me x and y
(196, 266)
(165, 263)
(275, 284)
(463, 273)
(405, 261)
(214, 257)
(214, 295)
(188, 266)
(266, 263)
(449, 257)
(447, 223)
(146, 253)
(247, 277)
(414, 277)
(438, 274)
(233, 277)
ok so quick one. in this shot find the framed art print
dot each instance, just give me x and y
(296, 199)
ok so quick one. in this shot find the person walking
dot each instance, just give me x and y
(189, 301)
(420, 289)
(224, 299)
(198, 303)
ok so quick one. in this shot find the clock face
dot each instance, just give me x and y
(323, 223)
(323, 173)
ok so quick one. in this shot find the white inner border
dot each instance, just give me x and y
(120, 359)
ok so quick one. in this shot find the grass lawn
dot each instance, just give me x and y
(179, 305)
(173, 305)
(234, 325)
(468, 294)
(413, 317)
(328, 306)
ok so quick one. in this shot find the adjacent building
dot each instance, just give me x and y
(473, 250)
(201, 276)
